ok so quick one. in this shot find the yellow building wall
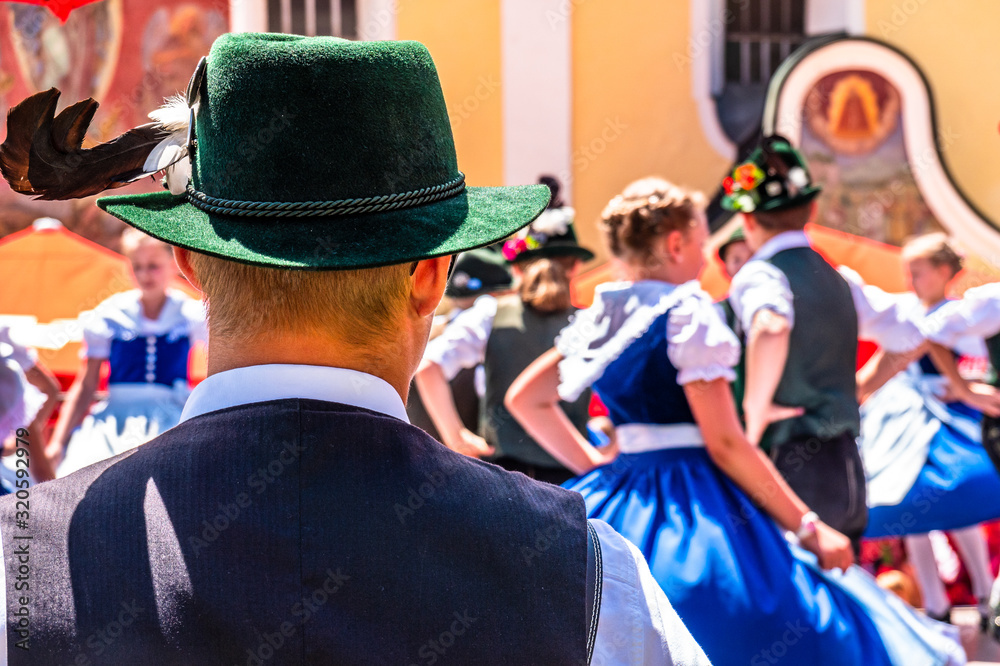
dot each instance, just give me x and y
(955, 45)
(633, 113)
(464, 39)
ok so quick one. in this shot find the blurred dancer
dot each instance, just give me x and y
(800, 322)
(145, 335)
(479, 274)
(976, 314)
(505, 335)
(30, 394)
(922, 447)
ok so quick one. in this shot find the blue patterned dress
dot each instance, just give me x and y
(746, 594)
(148, 381)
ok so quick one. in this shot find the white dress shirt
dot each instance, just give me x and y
(760, 285)
(977, 314)
(637, 624)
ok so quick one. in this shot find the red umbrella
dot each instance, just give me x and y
(61, 8)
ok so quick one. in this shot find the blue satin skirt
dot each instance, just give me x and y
(957, 487)
(746, 595)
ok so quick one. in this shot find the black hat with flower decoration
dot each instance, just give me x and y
(774, 177)
(479, 271)
(550, 235)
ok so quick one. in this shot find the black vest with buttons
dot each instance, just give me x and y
(295, 532)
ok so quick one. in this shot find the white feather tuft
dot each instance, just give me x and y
(178, 174)
(554, 221)
(174, 115)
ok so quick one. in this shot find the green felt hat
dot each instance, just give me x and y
(477, 272)
(774, 177)
(320, 153)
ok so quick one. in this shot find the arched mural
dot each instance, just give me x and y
(863, 115)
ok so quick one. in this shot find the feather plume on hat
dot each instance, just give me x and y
(47, 154)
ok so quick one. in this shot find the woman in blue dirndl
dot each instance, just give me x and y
(145, 335)
(922, 446)
(658, 353)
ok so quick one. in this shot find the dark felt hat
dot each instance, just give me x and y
(320, 153)
(551, 235)
(774, 177)
(478, 272)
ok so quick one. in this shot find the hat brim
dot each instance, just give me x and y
(805, 195)
(581, 253)
(478, 216)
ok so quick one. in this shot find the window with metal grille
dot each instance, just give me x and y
(337, 18)
(759, 36)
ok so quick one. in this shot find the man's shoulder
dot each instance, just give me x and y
(755, 272)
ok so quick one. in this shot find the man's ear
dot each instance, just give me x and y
(429, 280)
(183, 258)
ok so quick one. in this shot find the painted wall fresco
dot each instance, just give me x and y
(127, 54)
(852, 135)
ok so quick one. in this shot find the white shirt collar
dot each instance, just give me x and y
(261, 383)
(786, 240)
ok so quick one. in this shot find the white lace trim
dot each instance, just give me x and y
(582, 365)
(706, 374)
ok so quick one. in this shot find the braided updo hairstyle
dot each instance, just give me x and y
(647, 209)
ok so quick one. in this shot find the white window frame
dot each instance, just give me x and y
(376, 19)
(707, 44)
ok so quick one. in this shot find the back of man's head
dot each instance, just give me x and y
(791, 218)
(247, 302)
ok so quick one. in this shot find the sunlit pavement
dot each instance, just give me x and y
(980, 648)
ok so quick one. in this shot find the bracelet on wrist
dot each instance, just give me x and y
(807, 526)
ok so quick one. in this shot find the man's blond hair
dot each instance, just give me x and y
(247, 302)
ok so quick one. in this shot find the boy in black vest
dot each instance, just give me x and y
(294, 516)
(797, 318)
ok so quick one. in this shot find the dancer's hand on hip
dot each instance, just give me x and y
(774, 413)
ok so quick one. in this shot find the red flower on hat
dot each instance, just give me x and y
(748, 176)
(514, 247)
(727, 185)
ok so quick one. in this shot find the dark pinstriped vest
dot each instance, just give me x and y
(298, 532)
